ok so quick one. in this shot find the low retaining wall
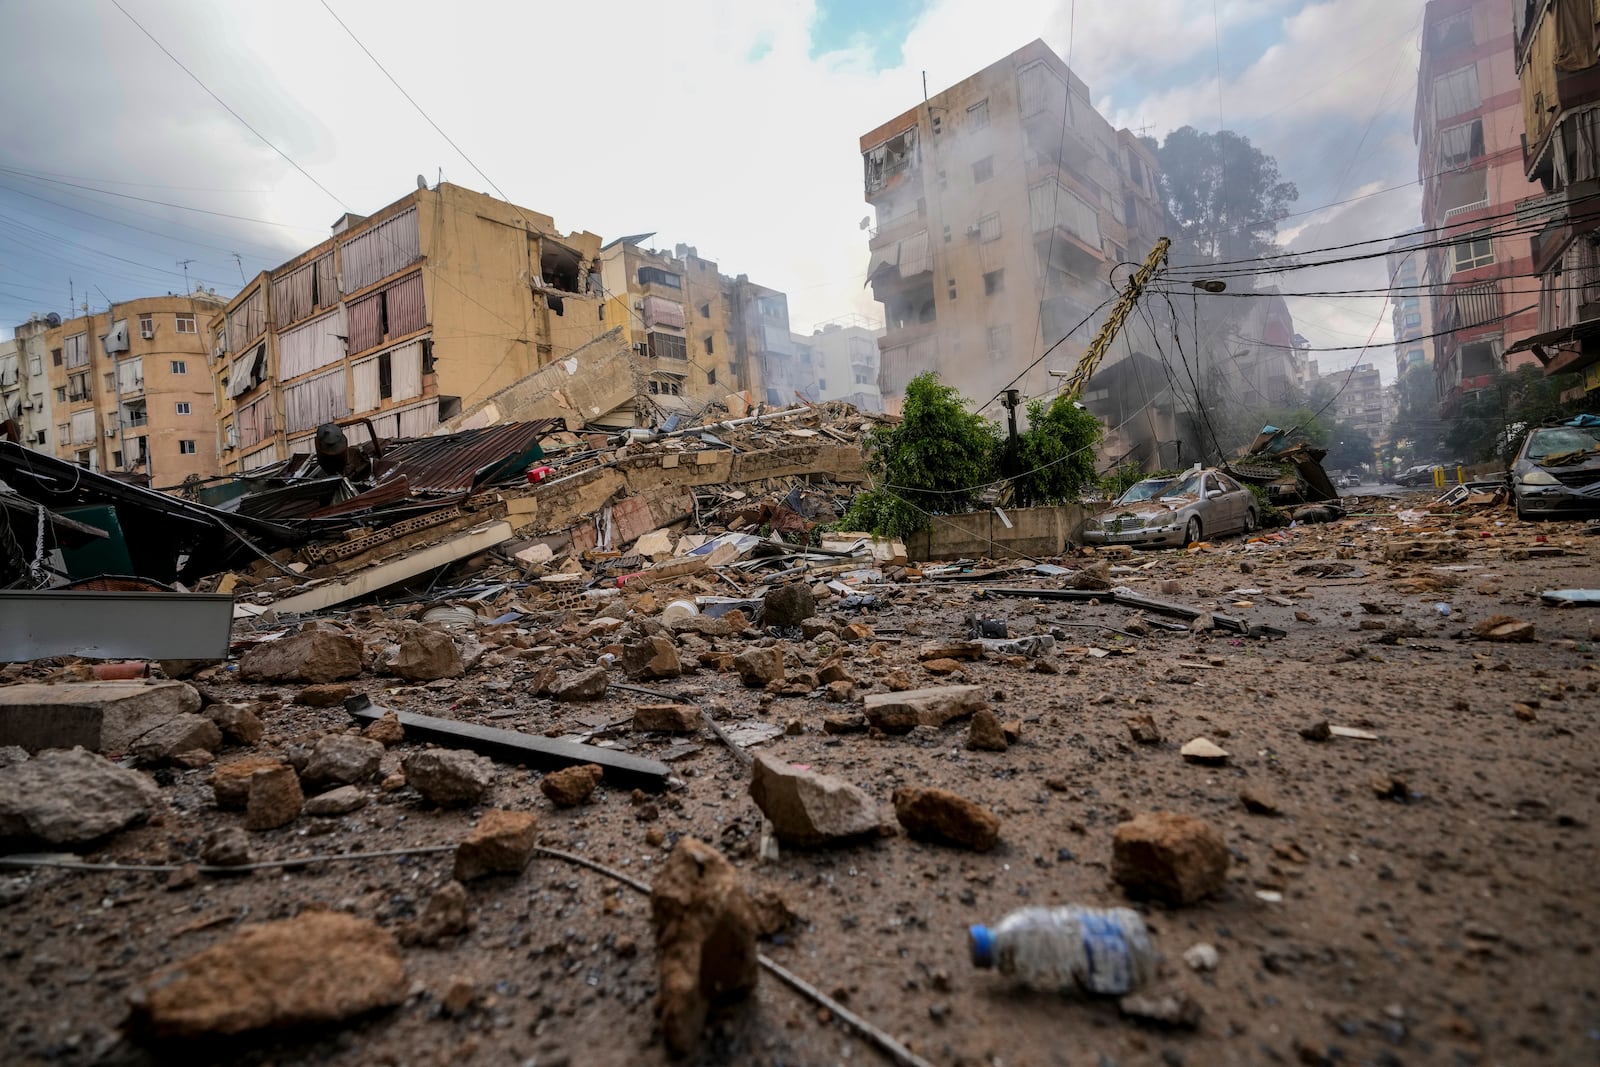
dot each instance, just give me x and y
(1033, 532)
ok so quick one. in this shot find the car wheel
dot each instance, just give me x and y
(1521, 514)
(1191, 533)
(1249, 520)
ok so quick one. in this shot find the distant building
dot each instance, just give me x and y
(845, 354)
(26, 395)
(397, 321)
(1360, 401)
(1267, 365)
(1469, 129)
(1558, 64)
(1411, 310)
(131, 392)
(1001, 206)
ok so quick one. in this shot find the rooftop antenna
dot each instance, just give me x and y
(184, 263)
(237, 260)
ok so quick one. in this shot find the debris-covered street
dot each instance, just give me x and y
(1379, 845)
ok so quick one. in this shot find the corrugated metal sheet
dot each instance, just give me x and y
(457, 462)
(381, 251)
(311, 345)
(406, 311)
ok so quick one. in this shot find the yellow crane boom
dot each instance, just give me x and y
(1079, 378)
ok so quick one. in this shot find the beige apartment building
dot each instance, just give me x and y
(1001, 206)
(130, 390)
(398, 320)
(25, 391)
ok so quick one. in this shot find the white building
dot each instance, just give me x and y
(844, 352)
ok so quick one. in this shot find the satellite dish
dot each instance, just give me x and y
(422, 181)
(53, 319)
(866, 221)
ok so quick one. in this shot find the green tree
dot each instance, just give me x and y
(936, 460)
(1056, 454)
(1223, 195)
(1349, 447)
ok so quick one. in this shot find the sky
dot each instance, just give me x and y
(726, 125)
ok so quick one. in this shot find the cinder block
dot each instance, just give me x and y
(101, 716)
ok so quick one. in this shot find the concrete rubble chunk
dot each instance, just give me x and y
(100, 716)
(957, 650)
(668, 718)
(1204, 750)
(946, 817)
(571, 786)
(343, 759)
(426, 655)
(985, 733)
(897, 713)
(759, 666)
(1172, 858)
(314, 655)
(788, 605)
(706, 929)
(808, 809)
(321, 967)
(651, 657)
(386, 730)
(181, 733)
(70, 797)
(227, 847)
(238, 722)
(586, 685)
(1143, 730)
(230, 782)
(335, 802)
(329, 695)
(444, 915)
(501, 843)
(275, 799)
(448, 777)
(1503, 628)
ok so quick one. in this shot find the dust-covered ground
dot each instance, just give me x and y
(1430, 896)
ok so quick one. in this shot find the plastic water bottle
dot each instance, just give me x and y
(1068, 950)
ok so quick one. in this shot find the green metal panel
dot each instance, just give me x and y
(107, 555)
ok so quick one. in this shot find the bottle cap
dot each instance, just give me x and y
(981, 938)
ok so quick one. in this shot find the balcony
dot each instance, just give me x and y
(1466, 209)
(1559, 228)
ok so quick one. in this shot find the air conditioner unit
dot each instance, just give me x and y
(111, 431)
(28, 406)
(147, 332)
(974, 231)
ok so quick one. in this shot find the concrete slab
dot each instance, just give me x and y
(101, 716)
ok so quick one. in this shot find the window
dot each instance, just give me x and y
(989, 227)
(705, 311)
(61, 395)
(186, 324)
(111, 380)
(951, 284)
(36, 366)
(667, 345)
(183, 407)
(1453, 32)
(983, 170)
(999, 341)
(186, 448)
(116, 459)
(978, 114)
(1460, 145)
(78, 386)
(994, 282)
(863, 378)
(64, 432)
(40, 438)
(180, 367)
(1413, 321)
(55, 357)
(1135, 171)
(711, 377)
(1456, 92)
(655, 276)
(1474, 250)
(602, 311)
(708, 344)
(147, 326)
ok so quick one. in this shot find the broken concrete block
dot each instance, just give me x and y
(445, 915)
(808, 809)
(759, 666)
(667, 718)
(1143, 730)
(238, 723)
(230, 782)
(335, 802)
(315, 655)
(69, 797)
(324, 696)
(657, 544)
(571, 786)
(706, 932)
(958, 650)
(897, 713)
(448, 777)
(946, 817)
(318, 968)
(501, 843)
(1176, 859)
(179, 734)
(425, 655)
(386, 730)
(586, 685)
(985, 734)
(99, 716)
(343, 759)
(1503, 628)
(788, 605)
(651, 657)
(275, 799)
(227, 847)
(1204, 750)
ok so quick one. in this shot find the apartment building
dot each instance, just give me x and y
(1411, 312)
(1001, 205)
(1360, 401)
(130, 389)
(1558, 68)
(1469, 128)
(845, 355)
(397, 321)
(25, 392)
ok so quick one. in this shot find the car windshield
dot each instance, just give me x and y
(1190, 486)
(1148, 489)
(1556, 440)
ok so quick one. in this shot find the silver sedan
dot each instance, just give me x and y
(1177, 511)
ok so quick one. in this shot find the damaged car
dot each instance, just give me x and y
(1557, 470)
(1175, 511)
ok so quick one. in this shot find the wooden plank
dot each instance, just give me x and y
(510, 746)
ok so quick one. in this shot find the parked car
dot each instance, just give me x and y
(1557, 472)
(1350, 480)
(1199, 503)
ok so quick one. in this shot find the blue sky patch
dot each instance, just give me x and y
(881, 26)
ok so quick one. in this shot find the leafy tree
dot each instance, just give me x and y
(1349, 447)
(937, 459)
(1491, 423)
(1056, 454)
(1223, 195)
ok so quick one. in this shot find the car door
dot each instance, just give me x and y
(1232, 499)
(1216, 513)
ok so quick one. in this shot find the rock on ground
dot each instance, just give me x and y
(425, 655)
(99, 716)
(181, 733)
(69, 797)
(275, 799)
(667, 718)
(571, 786)
(809, 809)
(230, 782)
(445, 915)
(324, 696)
(759, 666)
(386, 730)
(238, 722)
(651, 657)
(321, 967)
(227, 847)
(317, 655)
(946, 817)
(1143, 730)
(448, 777)
(899, 712)
(1172, 858)
(340, 801)
(788, 605)
(501, 843)
(706, 932)
(343, 759)
(985, 733)
(586, 685)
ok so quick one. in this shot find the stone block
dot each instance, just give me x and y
(100, 716)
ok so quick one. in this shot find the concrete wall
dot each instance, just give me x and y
(1033, 532)
(583, 385)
